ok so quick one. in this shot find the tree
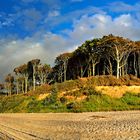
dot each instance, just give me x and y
(1, 87)
(120, 50)
(9, 79)
(62, 61)
(89, 54)
(137, 58)
(23, 70)
(34, 63)
(94, 52)
(16, 70)
(43, 72)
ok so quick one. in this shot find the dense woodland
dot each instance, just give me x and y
(109, 55)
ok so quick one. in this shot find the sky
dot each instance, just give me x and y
(44, 29)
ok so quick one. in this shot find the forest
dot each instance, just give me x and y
(109, 55)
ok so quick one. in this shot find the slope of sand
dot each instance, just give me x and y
(69, 126)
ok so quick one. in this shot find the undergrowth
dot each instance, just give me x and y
(94, 101)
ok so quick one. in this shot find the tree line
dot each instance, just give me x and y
(109, 55)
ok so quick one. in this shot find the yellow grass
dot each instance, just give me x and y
(43, 96)
(113, 91)
(117, 91)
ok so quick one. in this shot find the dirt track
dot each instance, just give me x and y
(69, 126)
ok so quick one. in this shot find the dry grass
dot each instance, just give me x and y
(117, 91)
(43, 96)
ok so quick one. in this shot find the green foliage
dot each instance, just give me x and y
(131, 99)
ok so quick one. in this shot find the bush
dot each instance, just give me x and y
(63, 100)
(41, 89)
(131, 99)
(74, 107)
(90, 91)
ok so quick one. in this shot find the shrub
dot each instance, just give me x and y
(74, 107)
(63, 100)
(90, 91)
(131, 99)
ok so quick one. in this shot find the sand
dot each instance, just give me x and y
(119, 125)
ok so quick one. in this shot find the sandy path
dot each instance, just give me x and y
(69, 126)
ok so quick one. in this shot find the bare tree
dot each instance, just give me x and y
(23, 69)
(16, 70)
(9, 79)
(62, 61)
(43, 72)
(120, 50)
(35, 63)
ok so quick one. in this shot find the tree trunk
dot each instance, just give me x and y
(118, 69)
(61, 77)
(34, 81)
(17, 86)
(22, 86)
(139, 63)
(104, 68)
(44, 78)
(123, 70)
(118, 63)
(10, 89)
(65, 71)
(81, 71)
(41, 79)
(126, 69)
(26, 84)
(93, 69)
(135, 68)
(110, 67)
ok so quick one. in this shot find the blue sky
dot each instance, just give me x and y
(45, 28)
(23, 18)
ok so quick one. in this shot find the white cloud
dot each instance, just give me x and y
(53, 4)
(54, 13)
(31, 18)
(6, 20)
(17, 52)
(71, 16)
(98, 25)
(123, 7)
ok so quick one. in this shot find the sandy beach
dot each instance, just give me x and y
(123, 125)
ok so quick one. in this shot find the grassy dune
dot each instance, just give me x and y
(82, 95)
